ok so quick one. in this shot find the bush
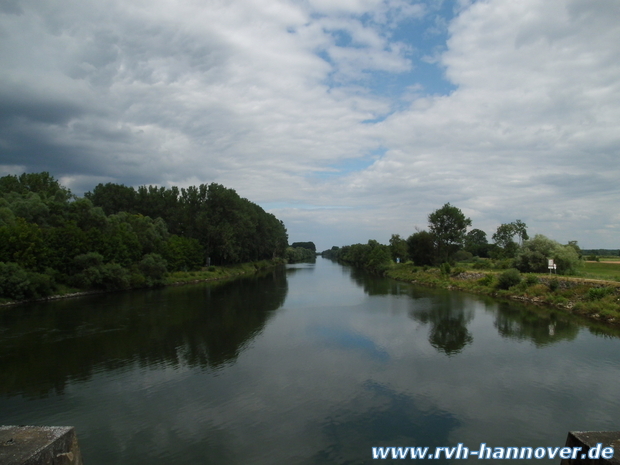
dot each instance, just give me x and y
(531, 280)
(597, 293)
(505, 264)
(535, 253)
(445, 269)
(486, 281)
(153, 267)
(480, 265)
(509, 278)
(457, 271)
(19, 284)
(463, 256)
(554, 284)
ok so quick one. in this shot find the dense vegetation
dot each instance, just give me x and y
(447, 241)
(117, 237)
(447, 255)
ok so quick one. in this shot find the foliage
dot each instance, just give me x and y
(554, 284)
(597, 293)
(535, 253)
(532, 280)
(445, 269)
(154, 268)
(19, 284)
(304, 245)
(398, 248)
(421, 248)
(117, 236)
(503, 238)
(183, 253)
(463, 256)
(508, 278)
(299, 254)
(373, 257)
(476, 243)
(448, 226)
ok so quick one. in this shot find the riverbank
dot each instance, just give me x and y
(595, 299)
(178, 278)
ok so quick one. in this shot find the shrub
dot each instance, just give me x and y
(153, 267)
(554, 284)
(509, 278)
(531, 280)
(457, 271)
(486, 281)
(503, 264)
(445, 269)
(597, 293)
(19, 284)
(463, 256)
(535, 253)
(14, 281)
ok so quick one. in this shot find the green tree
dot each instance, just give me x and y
(535, 253)
(504, 238)
(448, 226)
(398, 247)
(421, 248)
(476, 243)
(304, 245)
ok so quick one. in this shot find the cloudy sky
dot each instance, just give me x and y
(348, 119)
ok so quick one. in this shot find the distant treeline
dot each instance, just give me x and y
(301, 252)
(117, 237)
(601, 252)
(448, 241)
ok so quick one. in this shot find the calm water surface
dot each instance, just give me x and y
(309, 364)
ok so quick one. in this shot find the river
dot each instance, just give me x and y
(306, 364)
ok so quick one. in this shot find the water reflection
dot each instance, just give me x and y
(206, 326)
(516, 322)
(448, 315)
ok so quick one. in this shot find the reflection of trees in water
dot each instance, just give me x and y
(448, 315)
(515, 322)
(44, 346)
(377, 285)
(307, 266)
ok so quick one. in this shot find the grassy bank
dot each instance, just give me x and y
(176, 278)
(219, 272)
(595, 299)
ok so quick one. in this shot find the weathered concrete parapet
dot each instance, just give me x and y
(39, 445)
(589, 440)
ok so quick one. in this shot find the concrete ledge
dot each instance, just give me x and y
(588, 440)
(39, 445)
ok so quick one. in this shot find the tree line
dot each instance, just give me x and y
(117, 237)
(448, 240)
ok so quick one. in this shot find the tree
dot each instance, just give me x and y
(448, 225)
(421, 248)
(504, 235)
(476, 243)
(535, 253)
(304, 245)
(520, 229)
(398, 247)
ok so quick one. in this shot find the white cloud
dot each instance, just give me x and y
(241, 93)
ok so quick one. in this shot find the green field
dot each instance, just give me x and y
(601, 270)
